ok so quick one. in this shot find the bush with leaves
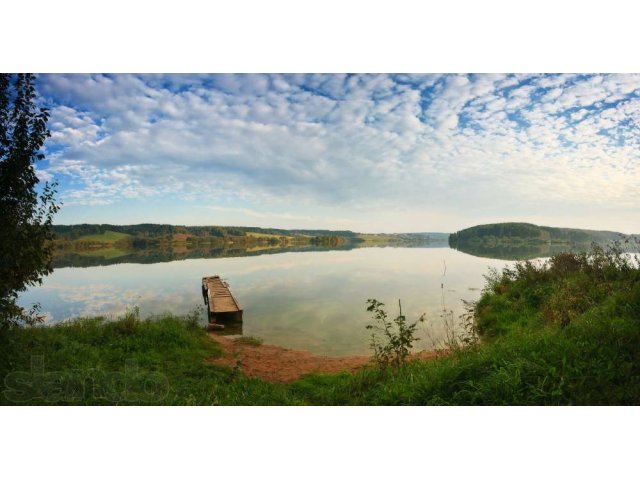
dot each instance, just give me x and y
(391, 340)
(556, 291)
(26, 236)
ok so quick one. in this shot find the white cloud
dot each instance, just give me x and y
(370, 146)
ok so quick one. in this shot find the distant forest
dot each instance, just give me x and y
(154, 230)
(496, 234)
(93, 237)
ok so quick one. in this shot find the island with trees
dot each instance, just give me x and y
(521, 241)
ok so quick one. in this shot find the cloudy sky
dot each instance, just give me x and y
(371, 153)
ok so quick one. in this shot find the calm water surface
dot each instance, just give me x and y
(301, 300)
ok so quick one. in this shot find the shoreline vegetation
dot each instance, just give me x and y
(560, 332)
(522, 241)
(90, 245)
(97, 238)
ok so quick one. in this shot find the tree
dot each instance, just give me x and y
(26, 215)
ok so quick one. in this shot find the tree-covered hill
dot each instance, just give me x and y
(496, 234)
(74, 232)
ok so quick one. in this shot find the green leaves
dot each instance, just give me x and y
(396, 336)
(26, 236)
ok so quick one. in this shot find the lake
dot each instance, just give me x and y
(309, 300)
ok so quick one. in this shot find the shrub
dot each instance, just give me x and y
(396, 336)
(554, 292)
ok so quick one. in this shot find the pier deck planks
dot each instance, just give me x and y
(219, 299)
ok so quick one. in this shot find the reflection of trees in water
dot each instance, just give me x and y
(519, 251)
(73, 259)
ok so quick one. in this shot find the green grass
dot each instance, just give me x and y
(124, 362)
(544, 368)
(106, 237)
(565, 333)
(269, 236)
(370, 238)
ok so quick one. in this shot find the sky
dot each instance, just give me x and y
(369, 153)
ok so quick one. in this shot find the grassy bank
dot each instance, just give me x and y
(124, 362)
(563, 332)
(559, 333)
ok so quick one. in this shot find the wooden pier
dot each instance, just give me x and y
(221, 304)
